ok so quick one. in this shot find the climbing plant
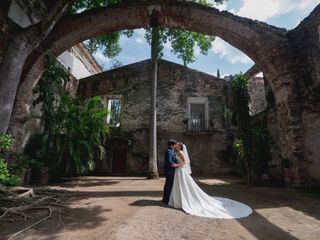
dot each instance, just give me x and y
(74, 129)
(251, 144)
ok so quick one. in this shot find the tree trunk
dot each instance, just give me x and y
(153, 169)
(18, 50)
(10, 72)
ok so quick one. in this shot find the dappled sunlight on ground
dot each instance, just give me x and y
(131, 208)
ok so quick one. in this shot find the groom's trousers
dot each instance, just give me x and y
(168, 187)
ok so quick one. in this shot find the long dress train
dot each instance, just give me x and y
(186, 194)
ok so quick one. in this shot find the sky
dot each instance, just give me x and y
(229, 60)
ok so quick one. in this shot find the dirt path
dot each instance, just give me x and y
(125, 208)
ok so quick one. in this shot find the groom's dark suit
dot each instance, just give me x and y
(170, 158)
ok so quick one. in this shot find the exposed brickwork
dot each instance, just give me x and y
(290, 61)
(257, 95)
(208, 150)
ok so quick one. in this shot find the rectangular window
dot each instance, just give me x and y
(197, 117)
(114, 106)
(197, 114)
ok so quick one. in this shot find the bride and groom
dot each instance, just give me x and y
(181, 191)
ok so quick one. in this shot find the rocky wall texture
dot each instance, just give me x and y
(257, 95)
(289, 60)
(209, 150)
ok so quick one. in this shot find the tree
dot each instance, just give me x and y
(109, 43)
(29, 38)
(21, 44)
(74, 131)
(47, 13)
(155, 42)
(183, 43)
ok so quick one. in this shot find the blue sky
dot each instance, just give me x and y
(229, 60)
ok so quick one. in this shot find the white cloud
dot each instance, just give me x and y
(197, 51)
(307, 4)
(139, 39)
(266, 9)
(167, 50)
(167, 45)
(101, 59)
(221, 7)
(140, 31)
(226, 51)
(139, 35)
(260, 74)
(262, 10)
(225, 75)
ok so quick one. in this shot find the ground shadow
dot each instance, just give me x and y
(71, 219)
(78, 182)
(256, 224)
(264, 229)
(86, 217)
(148, 202)
(265, 197)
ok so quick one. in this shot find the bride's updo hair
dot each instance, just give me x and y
(181, 145)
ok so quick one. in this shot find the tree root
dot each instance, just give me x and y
(18, 200)
(18, 192)
(32, 225)
(20, 210)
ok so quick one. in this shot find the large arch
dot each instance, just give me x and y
(267, 45)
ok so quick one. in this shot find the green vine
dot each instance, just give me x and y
(251, 145)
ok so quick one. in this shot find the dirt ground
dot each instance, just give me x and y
(125, 208)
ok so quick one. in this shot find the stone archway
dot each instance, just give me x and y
(270, 47)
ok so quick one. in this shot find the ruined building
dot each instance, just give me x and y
(191, 107)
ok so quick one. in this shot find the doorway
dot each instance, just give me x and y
(119, 161)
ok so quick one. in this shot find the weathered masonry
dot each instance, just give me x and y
(289, 60)
(191, 108)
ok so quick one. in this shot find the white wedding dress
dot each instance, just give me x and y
(186, 194)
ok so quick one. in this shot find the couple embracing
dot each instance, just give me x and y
(182, 192)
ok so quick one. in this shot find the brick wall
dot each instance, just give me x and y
(209, 151)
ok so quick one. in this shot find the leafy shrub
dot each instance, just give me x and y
(5, 177)
(251, 145)
(5, 142)
(74, 129)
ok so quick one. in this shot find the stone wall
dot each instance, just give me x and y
(209, 151)
(289, 60)
(4, 33)
(257, 95)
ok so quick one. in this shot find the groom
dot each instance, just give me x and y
(170, 164)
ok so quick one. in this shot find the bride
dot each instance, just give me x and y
(186, 194)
